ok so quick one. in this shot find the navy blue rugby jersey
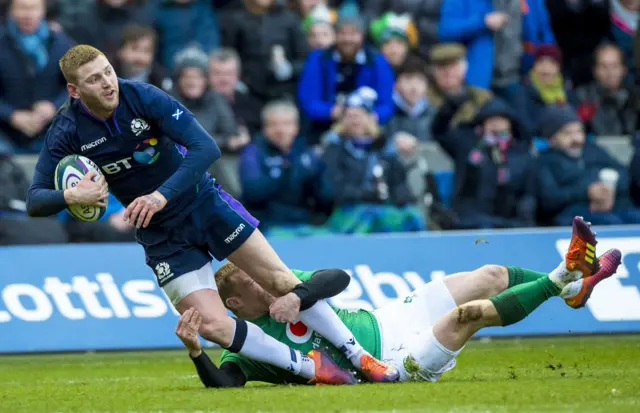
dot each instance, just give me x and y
(136, 150)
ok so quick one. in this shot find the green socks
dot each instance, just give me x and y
(519, 276)
(517, 302)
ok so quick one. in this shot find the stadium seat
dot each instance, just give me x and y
(620, 147)
(27, 163)
(445, 182)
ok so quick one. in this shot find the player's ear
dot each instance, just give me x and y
(73, 90)
(233, 303)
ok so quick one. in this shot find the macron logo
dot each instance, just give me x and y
(177, 114)
(234, 234)
(93, 144)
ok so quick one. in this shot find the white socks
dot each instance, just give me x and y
(321, 318)
(261, 347)
(430, 359)
(561, 276)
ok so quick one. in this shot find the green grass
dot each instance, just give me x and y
(564, 375)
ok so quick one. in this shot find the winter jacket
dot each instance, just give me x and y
(605, 113)
(463, 21)
(350, 170)
(480, 200)
(563, 181)
(254, 37)
(416, 122)
(279, 188)
(21, 86)
(184, 24)
(317, 86)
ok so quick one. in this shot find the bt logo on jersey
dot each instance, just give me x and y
(117, 166)
(145, 154)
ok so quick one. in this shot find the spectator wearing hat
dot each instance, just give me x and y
(318, 27)
(606, 105)
(136, 57)
(395, 35)
(576, 177)
(209, 107)
(499, 35)
(411, 122)
(545, 84)
(182, 23)
(495, 177)
(272, 47)
(448, 71)
(369, 181)
(282, 179)
(423, 13)
(330, 75)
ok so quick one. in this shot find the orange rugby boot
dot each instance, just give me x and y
(328, 372)
(578, 292)
(581, 255)
(377, 371)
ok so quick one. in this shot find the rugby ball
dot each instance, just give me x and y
(70, 170)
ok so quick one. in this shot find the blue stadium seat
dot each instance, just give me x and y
(444, 180)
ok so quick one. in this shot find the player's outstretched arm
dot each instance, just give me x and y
(322, 285)
(229, 375)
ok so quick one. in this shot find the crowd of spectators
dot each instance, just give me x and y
(321, 107)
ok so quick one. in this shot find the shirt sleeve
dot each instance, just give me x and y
(180, 125)
(43, 199)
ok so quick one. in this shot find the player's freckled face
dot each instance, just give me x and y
(97, 87)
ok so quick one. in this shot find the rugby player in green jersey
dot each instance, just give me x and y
(420, 334)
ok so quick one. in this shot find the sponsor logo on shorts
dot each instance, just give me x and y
(163, 271)
(93, 144)
(234, 234)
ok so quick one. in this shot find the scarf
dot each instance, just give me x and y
(495, 146)
(626, 20)
(552, 94)
(412, 111)
(34, 45)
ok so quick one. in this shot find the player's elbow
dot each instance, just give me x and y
(33, 208)
(341, 279)
(212, 151)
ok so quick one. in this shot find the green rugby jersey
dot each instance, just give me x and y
(362, 324)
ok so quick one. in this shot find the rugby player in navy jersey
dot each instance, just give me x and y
(182, 217)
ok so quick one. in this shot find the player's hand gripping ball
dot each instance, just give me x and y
(89, 196)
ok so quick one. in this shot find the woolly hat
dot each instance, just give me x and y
(349, 14)
(364, 98)
(554, 118)
(550, 51)
(391, 25)
(320, 14)
(192, 56)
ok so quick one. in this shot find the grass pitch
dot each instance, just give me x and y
(563, 375)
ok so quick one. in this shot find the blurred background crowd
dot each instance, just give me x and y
(355, 116)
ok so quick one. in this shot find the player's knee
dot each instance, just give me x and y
(469, 313)
(495, 278)
(283, 282)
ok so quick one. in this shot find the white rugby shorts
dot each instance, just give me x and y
(406, 325)
(200, 279)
